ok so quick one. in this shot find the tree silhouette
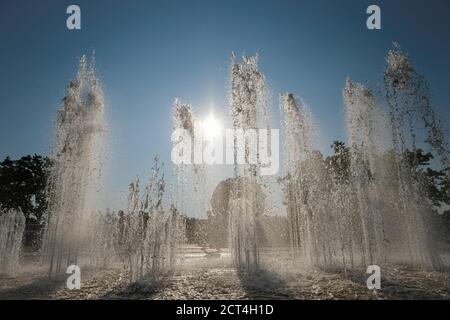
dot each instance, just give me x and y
(23, 186)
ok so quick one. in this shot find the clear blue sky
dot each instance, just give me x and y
(150, 52)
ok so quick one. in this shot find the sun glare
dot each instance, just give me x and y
(211, 127)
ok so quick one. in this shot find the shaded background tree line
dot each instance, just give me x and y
(433, 181)
(23, 185)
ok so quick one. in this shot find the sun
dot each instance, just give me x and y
(211, 127)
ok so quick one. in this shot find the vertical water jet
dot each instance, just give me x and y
(74, 181)
(248, 108)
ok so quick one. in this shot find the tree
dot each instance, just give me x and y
(23, 187)
(434, 183)
(339, 163)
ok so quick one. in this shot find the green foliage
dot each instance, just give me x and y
(435, 183)
(339, 163)
(22, 186)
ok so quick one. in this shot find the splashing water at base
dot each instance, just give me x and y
(12, 225)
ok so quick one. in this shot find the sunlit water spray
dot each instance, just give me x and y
(12, 225)
(363, 206)
(149, 234)
(248, 109)
(74, 182)
(359, 207)
(414, 125)
(190, 192)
